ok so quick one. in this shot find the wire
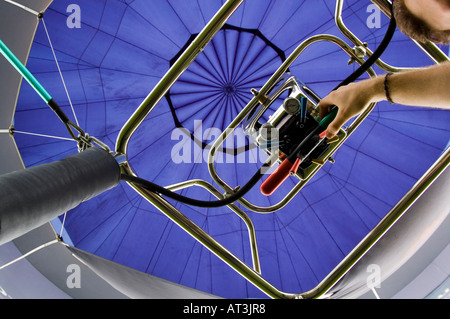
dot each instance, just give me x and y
(195, 202)
(60, 72)
(258, 175)
(375, 56)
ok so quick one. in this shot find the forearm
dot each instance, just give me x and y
(427, 87)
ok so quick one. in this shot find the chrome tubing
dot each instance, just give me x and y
(210, 243)
(248, 222)
(188, 56)
(381, 228)
(205, 239)
(261, 95)
(354, 39)
(182, 63)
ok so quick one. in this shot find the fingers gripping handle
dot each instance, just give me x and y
(327, 119)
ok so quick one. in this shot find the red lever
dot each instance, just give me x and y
(323, 134)
(277, 178)
(295, 166)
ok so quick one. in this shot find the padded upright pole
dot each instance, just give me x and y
(34, 196)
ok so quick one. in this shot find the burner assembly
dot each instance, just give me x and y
(294, 135)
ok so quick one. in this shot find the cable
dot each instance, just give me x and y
(376, 54)
(258, 175)
(59, 71)
(195, 202)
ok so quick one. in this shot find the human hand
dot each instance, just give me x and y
(350, 99)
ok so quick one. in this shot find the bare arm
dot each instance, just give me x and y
(426, 87)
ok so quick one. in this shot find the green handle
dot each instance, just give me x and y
(328, 118)
(24, 72)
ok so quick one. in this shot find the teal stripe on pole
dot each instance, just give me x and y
(24, 72)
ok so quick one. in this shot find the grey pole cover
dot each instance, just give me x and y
(31, 197)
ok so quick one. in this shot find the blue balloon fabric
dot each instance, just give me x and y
(118, 54)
